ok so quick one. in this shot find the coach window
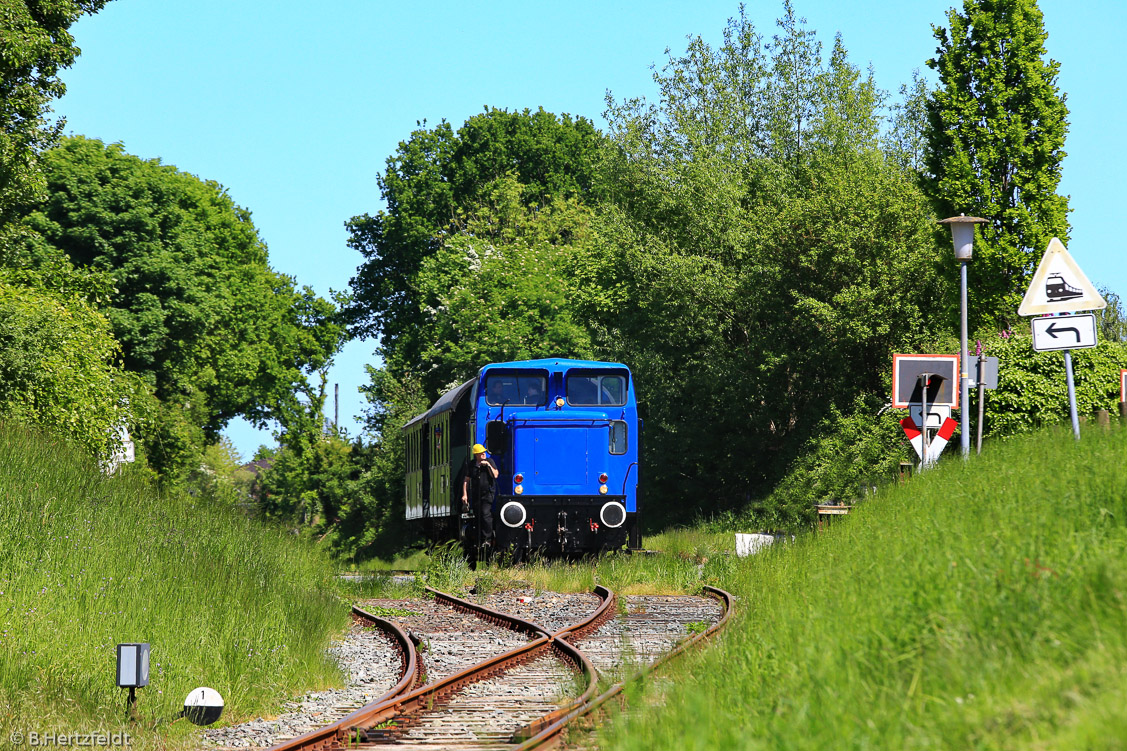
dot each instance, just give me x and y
(617, 436)
(596, 390)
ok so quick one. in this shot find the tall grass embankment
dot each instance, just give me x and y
(89, 562)
(981, 605)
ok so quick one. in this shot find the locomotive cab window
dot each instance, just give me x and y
(516, 390)
(588, 390)
(618, 436)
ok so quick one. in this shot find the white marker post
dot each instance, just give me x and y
(924, 379)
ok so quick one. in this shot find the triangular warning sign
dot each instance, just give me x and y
(1059, 286)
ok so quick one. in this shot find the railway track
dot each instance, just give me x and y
(536, 680)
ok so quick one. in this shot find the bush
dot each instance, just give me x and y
(851, 454)
(1032, 390)
(57, 368)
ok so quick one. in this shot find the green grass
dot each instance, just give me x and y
(408, 561)
(696, 558)
(981, 606)
(89, 562)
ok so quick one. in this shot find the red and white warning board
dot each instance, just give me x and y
(937, 443)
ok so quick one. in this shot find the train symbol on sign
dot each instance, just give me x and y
(1049, 292)
(1057, 289)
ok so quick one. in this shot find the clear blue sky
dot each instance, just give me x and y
(295, 106)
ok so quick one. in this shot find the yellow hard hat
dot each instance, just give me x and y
(478, 449)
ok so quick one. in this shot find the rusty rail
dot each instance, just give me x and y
(412, 668)
(363, 724)
(488, 614)
(577, 658)
(538, 735)
(374, 721)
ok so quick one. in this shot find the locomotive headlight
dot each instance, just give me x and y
(513, 514)
(602, 490)
(612, 514)
(559, 401)
(603, 477)
(518, 489)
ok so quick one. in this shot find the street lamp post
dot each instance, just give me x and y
(962, 233)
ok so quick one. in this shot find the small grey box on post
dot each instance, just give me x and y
(132, 665)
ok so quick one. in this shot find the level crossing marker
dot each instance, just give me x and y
(936, 444)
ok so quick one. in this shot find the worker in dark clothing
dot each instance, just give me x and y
(481, 481)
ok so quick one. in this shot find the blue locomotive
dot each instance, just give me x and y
(564, 437)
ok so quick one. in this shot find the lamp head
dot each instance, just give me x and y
(962, 234)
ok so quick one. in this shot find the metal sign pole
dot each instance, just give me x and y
(924, 378)
(981, 400)
(1071, 394)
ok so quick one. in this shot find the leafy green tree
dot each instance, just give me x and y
(200, 315)
(436, 174)
(308, 479)
(906, 139)
(995, 142)
(35, 44)
(750, 101)
(220, 475)
(372, 519)
(503, 288)
(771, 265)
(792, 87)
(469, 263)
(1111, 322)
(506, 284)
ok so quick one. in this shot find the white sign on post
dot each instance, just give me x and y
(1059, 286)
(936, 414)
(935, 445)
(1064, 332)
